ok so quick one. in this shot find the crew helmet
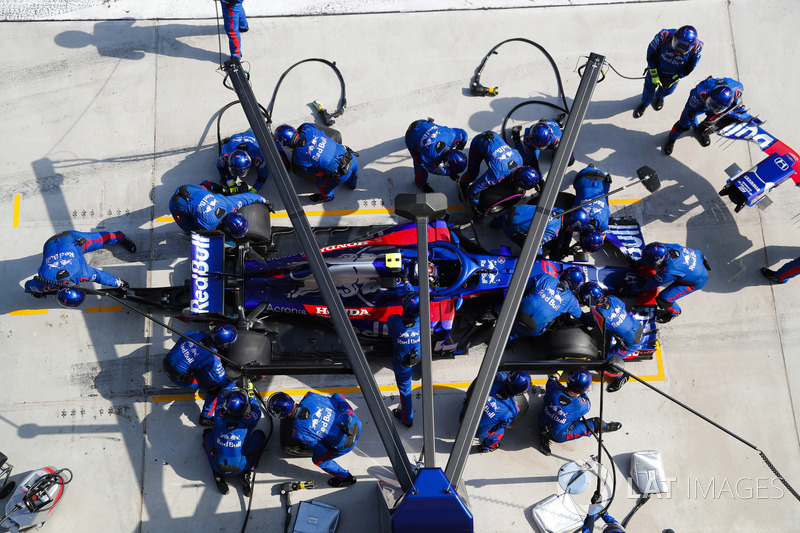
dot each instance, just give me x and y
(526, 177)
(719, 99)
(280, 405)
(518, 382)
(684, 39)
(235, 225)
(239, 163)
(579, 381)
(540, 136)
(70, 297)
(654, 254)
(411, 304)
(235, 403)
(591, 240)
(573, 277)
(284, 135)
(578, 220)
(456, 161)
(223, 336)
(591, 294)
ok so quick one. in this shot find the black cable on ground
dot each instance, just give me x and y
(479, 89)
(718, 426)
(579, 70)
(328, 118)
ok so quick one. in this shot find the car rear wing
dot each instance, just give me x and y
(208, 278)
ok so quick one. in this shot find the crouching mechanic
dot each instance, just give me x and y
(405, 333)
(712, 96)
(63, 264)
(546, 299)
(591, 185)
(501, 408)
(195, 208)
(517, 221)
(328, 426)
(560, 418)
(193, 365)
(682, 270)
(319, 155)
(233, 445)
(435, 149)
(502, 162)
(237, 156)
(609, 314)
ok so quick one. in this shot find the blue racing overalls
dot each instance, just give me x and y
(544, 301)
(671, 65)
(561, 413)
(235, 21)
(246, 142)
(427, 143)
(684, 271)
(490, 148)
(234, 445)
(406, 342)
(195, 208)
(321, 156)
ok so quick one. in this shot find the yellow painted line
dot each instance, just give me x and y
(167, 218)
(625, 202)
(393, 388)
(20, 312)
(15, 218)
(106, 309)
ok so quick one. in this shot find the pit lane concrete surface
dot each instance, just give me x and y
(108, 107)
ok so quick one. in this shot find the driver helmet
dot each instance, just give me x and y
(654, 254)
(238, 163)
(235, 404)
(591, 240)
(578, 220)
(684, 39)
(280, 405)
(223, 336)
(70, 297)
(235, 225)
(719, 99)
(411, 305)
(518, 383)
(455, 161)
(573, 277)
(526, 177)
(540, 136)
(592, 294)
(284, 135)
(579, 381)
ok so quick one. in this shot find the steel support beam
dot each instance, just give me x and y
(491, 360)
(380, 413)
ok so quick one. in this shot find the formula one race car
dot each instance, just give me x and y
(281, 315)
(781, 163)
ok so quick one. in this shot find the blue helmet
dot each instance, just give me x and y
(235, 225)
(540, 136)
(591, 240)
(579, 381)
(455, 160)
(235, 403)
(526, 177)
(683, 39)
(284, 135)
(411, 304)
(719, 99)
(223, 336)
(654, 254)
(70, 297)
(573, 277)
(238, 163)
(614, 527)
(578, 220)
(591, 294)
(280, 405)
(518, 383)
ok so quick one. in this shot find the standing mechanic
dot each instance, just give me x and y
(435, 149)
(63, 263)
(783, 274)
(502, 162)
(610, 315)
(544, 135)
(500, 409)
(546, 299)
(236, 157)
(233, 445)
(591, 183)
(712, 96)
(320, 156)
(196, 208)
(683, 270)
(328, 426)
(671, 55)
(191, 364)
(560, 418)
(235, 24)
(405, 333)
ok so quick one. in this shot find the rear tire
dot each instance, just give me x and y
(569, 343)
(259, 229)
(250, 347)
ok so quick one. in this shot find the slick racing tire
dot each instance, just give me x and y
(333, 134)
(569, 343)
(259, 228)
(290, 445)
(499, 198)
(523, 403)
(250, 347)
